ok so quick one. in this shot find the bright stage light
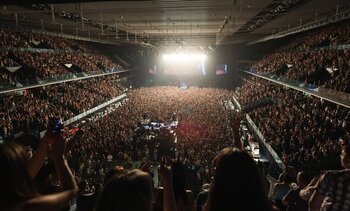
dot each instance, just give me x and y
(184, 57)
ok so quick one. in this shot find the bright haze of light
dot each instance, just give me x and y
(184, 57)
(184, 64)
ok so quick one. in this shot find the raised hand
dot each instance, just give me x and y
(57, 148)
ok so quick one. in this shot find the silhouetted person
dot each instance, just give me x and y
(237, 184)
(130, 191)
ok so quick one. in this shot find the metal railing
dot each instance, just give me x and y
(271, 152)
(90, 111)
(338, 16)
(29, 84)
(334, 96)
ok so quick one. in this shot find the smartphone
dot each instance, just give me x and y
(56, 125)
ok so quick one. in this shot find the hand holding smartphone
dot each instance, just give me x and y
(55, 125)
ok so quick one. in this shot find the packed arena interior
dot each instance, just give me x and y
(175, 105)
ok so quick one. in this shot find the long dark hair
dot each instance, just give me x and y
(237, 183)
(130, 191)
(15, 183)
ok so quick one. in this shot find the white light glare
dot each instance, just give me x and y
(184, 56)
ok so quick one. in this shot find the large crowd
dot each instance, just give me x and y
(33, 108)
(6, 61)
(200, 134)
(302, 129)
(304, 59)
(11, 39)
(55, 60)
(330, 35)
(306, 132)
(52, 64)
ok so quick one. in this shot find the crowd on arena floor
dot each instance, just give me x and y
(200, 134)
(304, 60)
(300, 128)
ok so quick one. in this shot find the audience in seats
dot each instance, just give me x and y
(6, 78)
(48, 65)
(35, 106)
(304, 60)
(10, 39)
(301, 128)
(6, 60)
(50, 60)
(44, 64)
(13, 39)
(330, 35)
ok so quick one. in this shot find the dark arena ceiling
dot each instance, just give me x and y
(169, 23)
